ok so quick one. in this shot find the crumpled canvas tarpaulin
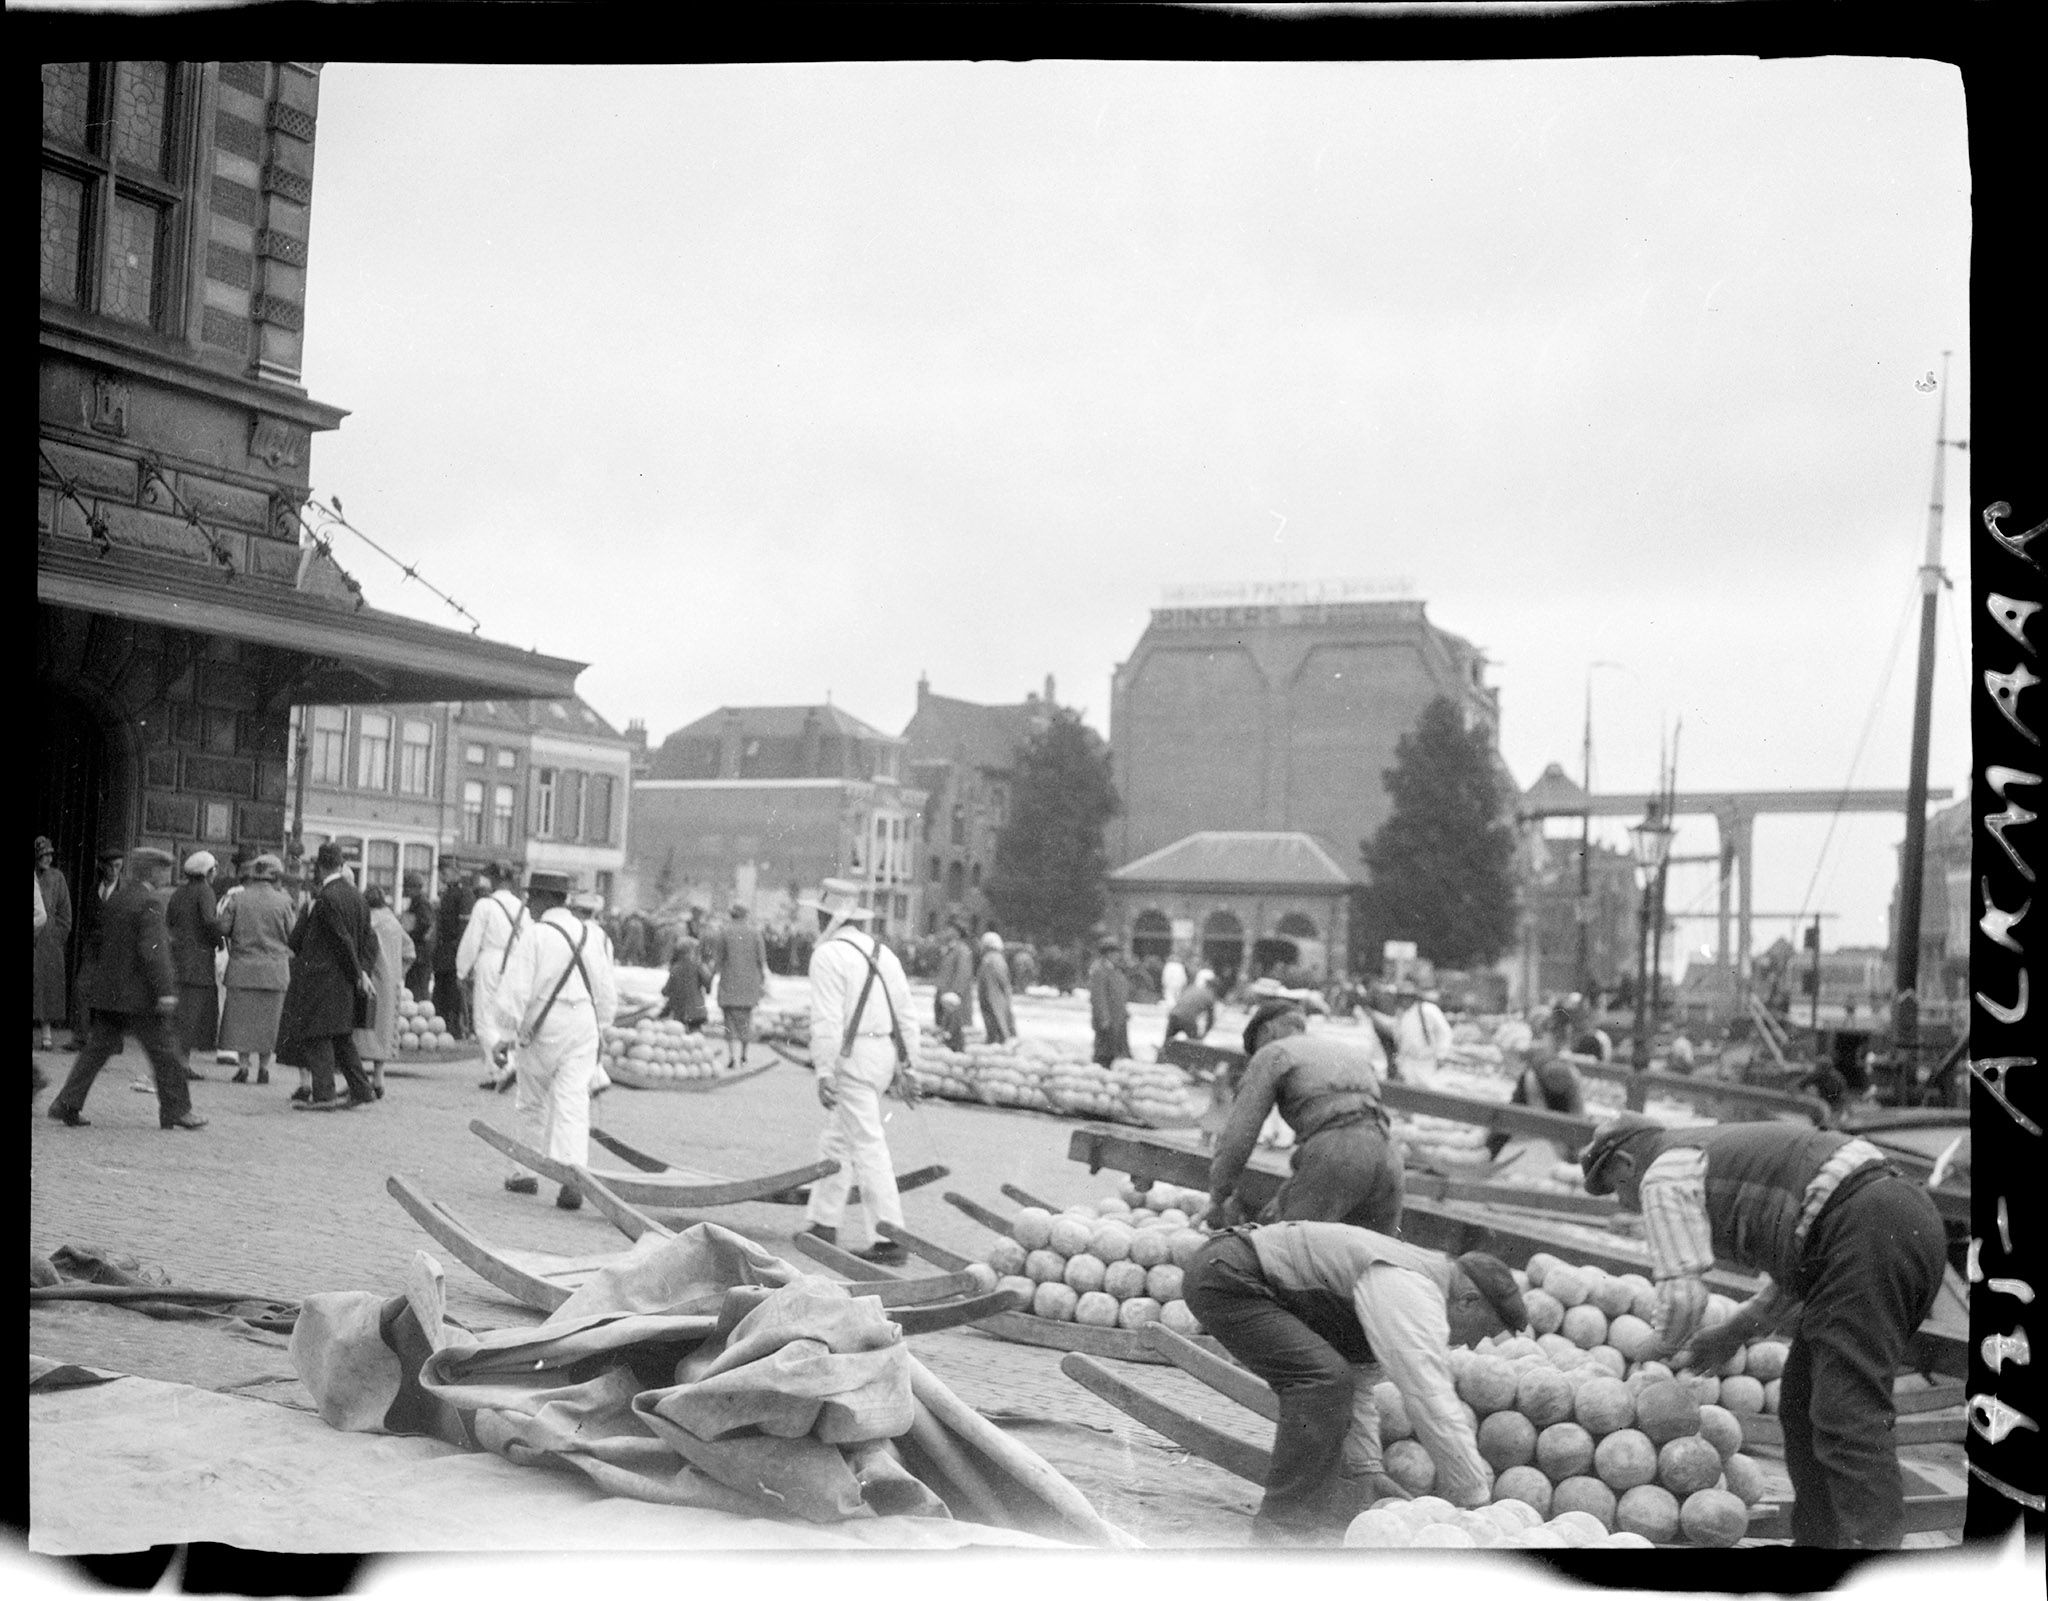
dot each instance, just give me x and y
(700, 1370)
(125, 1465)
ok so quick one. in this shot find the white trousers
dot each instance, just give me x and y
(854, 1139)
(551, 1087)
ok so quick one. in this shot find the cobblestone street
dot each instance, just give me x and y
(277, 1203)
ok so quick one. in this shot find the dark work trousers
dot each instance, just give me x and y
(1112, 1044)
(1881, 1252)
(1179, 1029)
(152, 1032)
(323, 1053)
(952, 1023)
(452, 1004)
(1304, 1347)
(1348, 1174)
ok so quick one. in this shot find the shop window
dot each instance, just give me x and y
(329, 745)
(112, 193)
(380, 867)
(420, 859)
(544, 802)
(415, 757)
(373, 751)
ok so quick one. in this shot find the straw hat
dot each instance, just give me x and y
(839, 900)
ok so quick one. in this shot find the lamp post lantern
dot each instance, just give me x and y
(1650, 842)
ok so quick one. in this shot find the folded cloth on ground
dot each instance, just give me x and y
(700, 1367)
(122, 1467)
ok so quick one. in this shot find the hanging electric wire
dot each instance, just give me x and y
(1862, 739)
(330, 511)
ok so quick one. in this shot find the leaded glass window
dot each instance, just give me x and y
(141, 104)
(63, 223)
(67, 92)
(131, 260)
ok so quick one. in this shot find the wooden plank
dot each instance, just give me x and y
(839, 1261)
(937, 1255)
(953, 1314)
(1686, 1087)
(1226, 1450)
(994, 1221)
(628, 1219)
(1500, 1116)
(1026, 1198)
(1457, 1226)
(468, 1248)
(1925, 1514)
(1763, 1428)
(916, 1179)
(1223, 1376)
(653, 1190)
(626, 1153)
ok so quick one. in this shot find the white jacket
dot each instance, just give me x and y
(539, 959)
(494, 922)
(839, 968)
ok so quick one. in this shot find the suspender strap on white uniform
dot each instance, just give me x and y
(575, 966)
(860, 1006)
(511, 939)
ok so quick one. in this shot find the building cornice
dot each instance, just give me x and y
(87, 339)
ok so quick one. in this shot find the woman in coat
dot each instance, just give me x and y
(992, 987)
(257, 923)
(378, 1043)
(52, 935)
(189, 921)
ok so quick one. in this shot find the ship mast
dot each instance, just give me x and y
(1912, 854)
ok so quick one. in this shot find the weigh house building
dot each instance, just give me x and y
(180, 616)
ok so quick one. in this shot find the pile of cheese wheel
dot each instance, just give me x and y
(1113, 1263)
(420, 1027)
(1582, 1419)
(1429, 1522)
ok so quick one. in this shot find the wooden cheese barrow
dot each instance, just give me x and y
(544, 1280)
(800, 1195)
(1022, 1328)
(1250, 1459)
(674, 1189)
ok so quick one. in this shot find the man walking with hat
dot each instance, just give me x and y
(334, 955)
(1851, 1247)
(548, 1012)
(738, 955)
(863, 1040)
(1109, 1002)
(91, 907)
(133, 991)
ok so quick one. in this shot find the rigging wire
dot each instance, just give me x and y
(1863, 739)
(329, 512)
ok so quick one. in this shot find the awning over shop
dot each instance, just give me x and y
(349, 656)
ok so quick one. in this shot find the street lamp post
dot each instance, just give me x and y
(1650, 842)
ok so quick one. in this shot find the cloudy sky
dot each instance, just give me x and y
(747, 384)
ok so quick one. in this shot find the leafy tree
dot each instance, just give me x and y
(1047, 882)
(1442, 866)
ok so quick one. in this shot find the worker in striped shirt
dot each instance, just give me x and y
(1853, 1253)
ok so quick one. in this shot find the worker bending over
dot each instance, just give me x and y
(1548, 1081)
(1321, 1311)
(1345, 1168)
(1853, 1248)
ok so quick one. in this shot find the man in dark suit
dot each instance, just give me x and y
(134, 991)
(334, 953)
(91, 906)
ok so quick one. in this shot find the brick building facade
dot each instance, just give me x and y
(1277, 717)
(963, 756)
(543, 784)
(759, 803)
(179, 614)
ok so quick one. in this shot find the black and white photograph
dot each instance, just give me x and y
(1261, 786)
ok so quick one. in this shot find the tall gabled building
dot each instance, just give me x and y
(181, 614)
(963, 756)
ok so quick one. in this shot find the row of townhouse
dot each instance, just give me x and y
(544, 784)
